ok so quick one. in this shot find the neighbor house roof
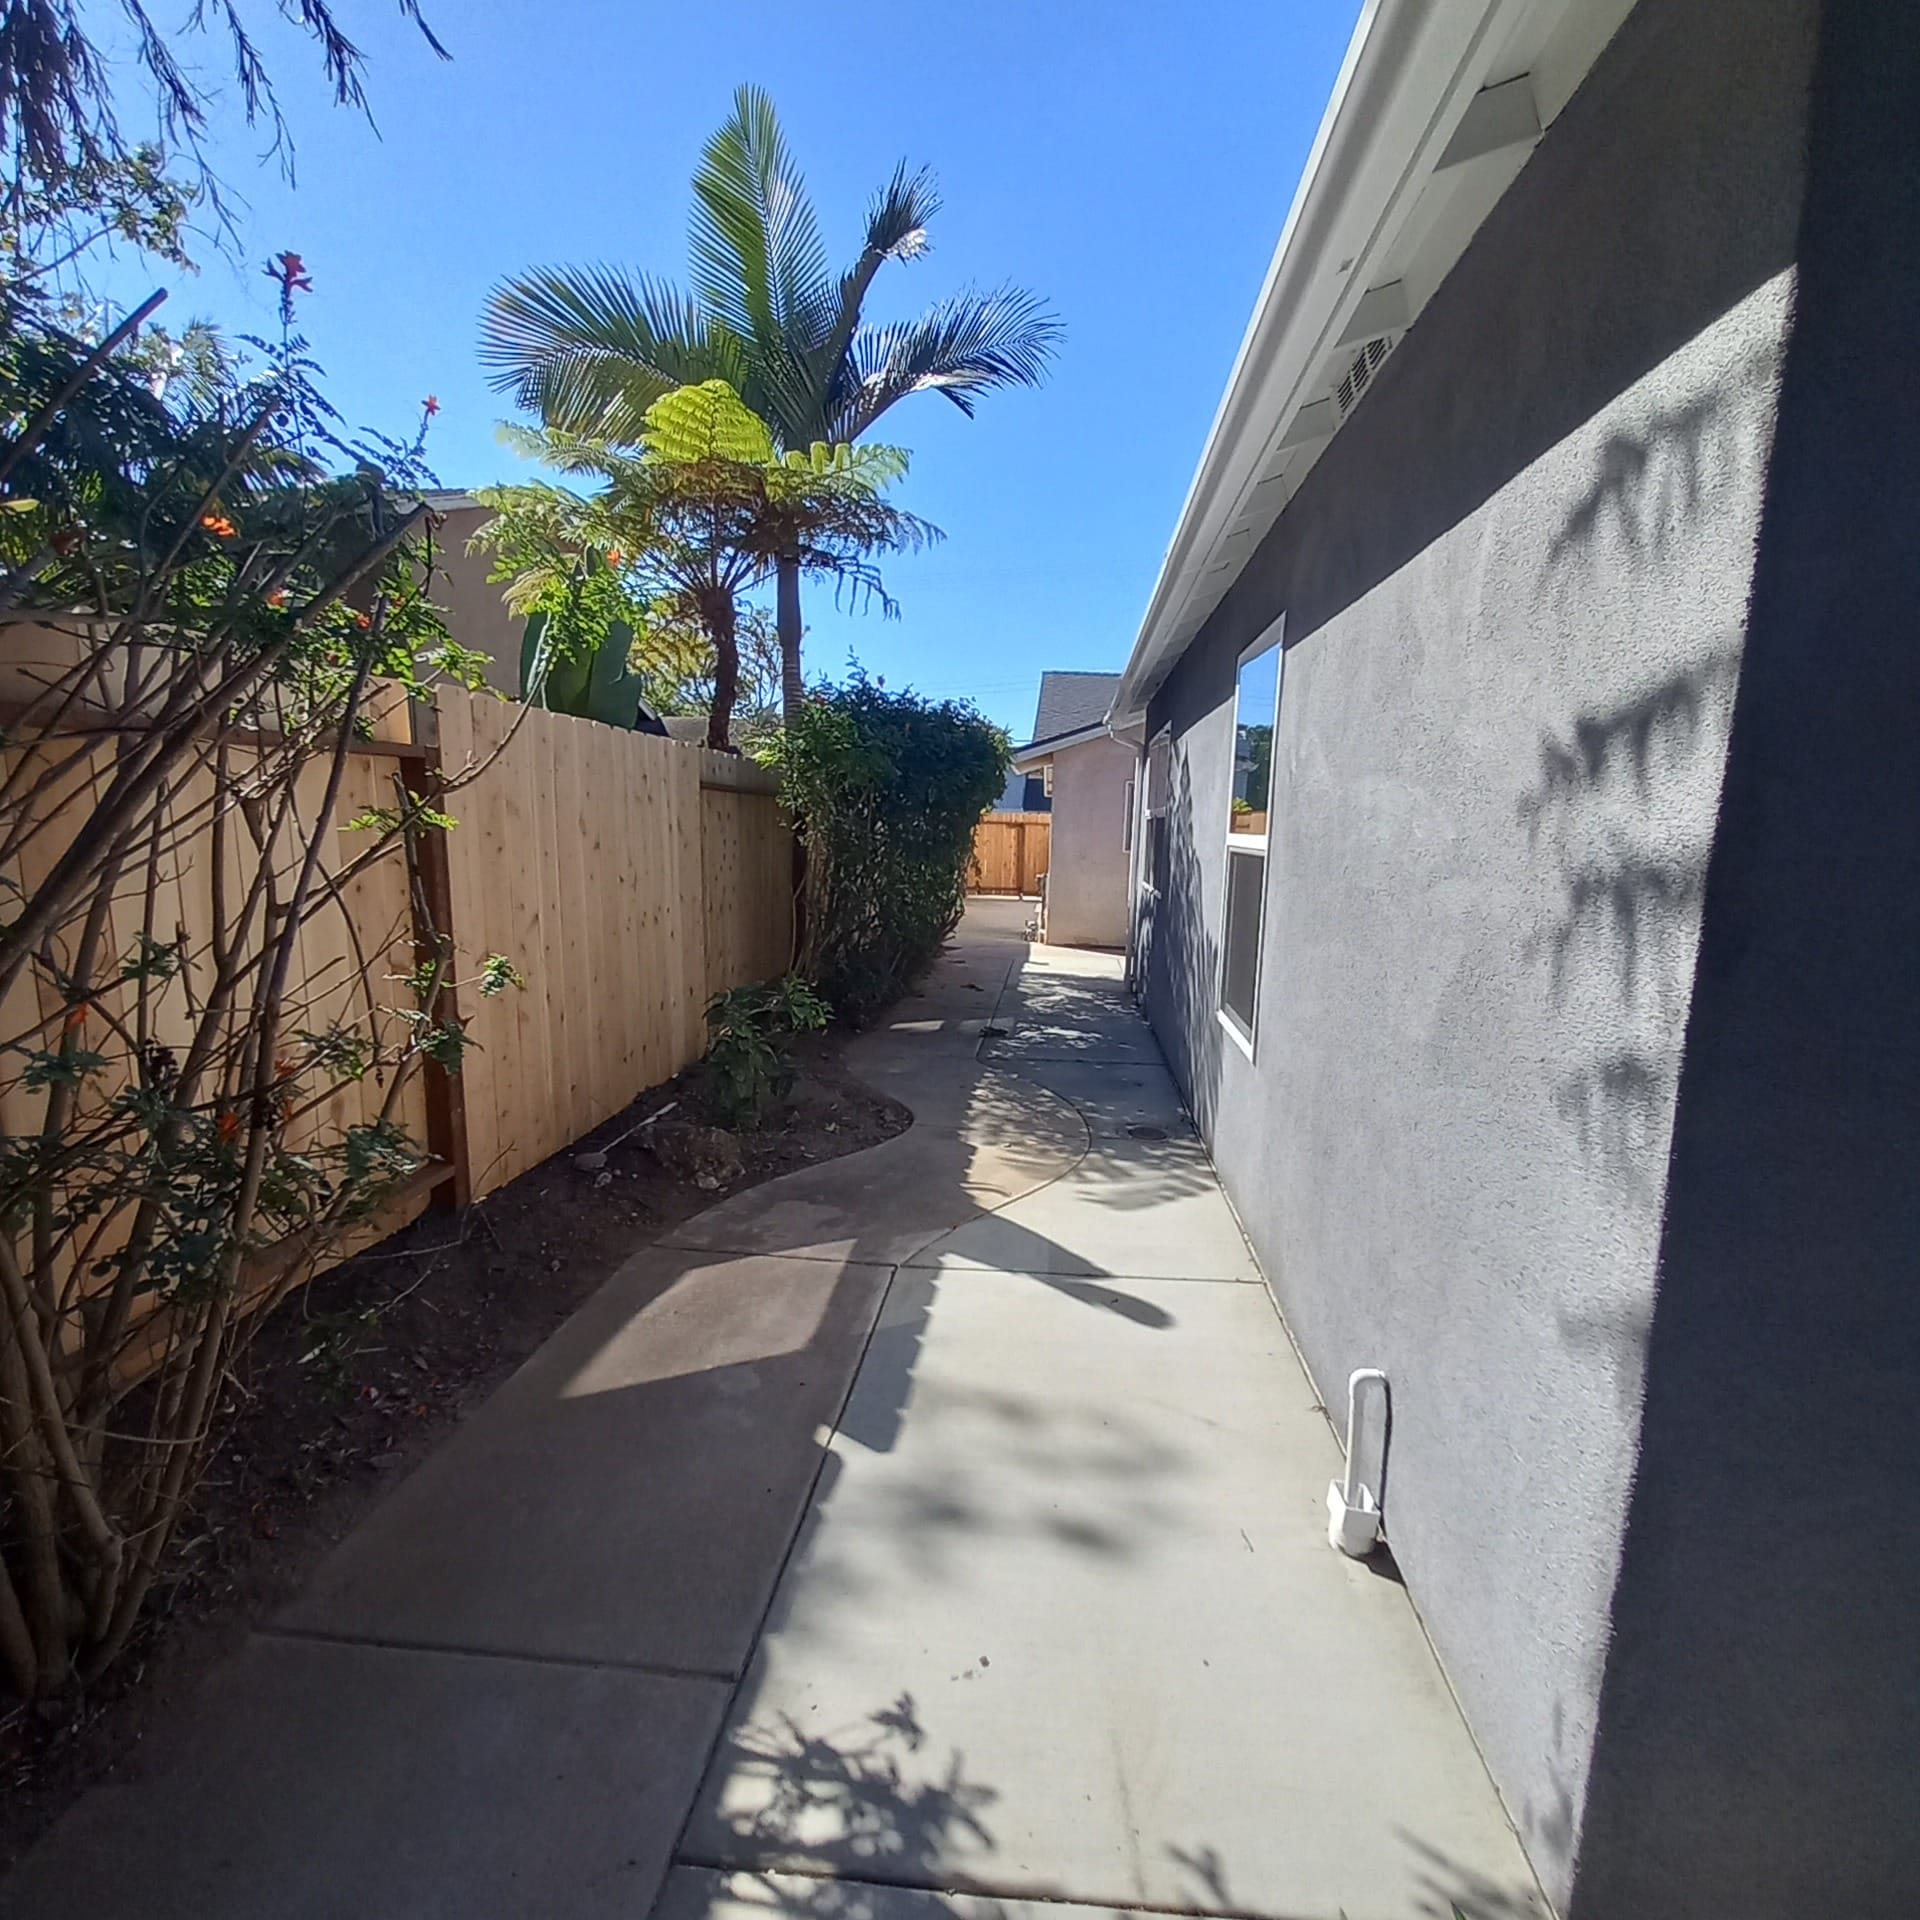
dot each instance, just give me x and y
(1436, 108)
(1070, 701)
(1072, 708)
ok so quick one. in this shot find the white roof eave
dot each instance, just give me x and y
(1410, 74)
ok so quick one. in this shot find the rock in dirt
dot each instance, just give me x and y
(708, 1156)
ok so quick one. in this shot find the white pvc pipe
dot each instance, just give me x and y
(1353, 1508)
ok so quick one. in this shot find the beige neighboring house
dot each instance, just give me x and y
(1089, 776)
(476, 614)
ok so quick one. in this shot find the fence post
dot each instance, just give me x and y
(431, 898)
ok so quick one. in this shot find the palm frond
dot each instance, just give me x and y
(758, 259)
(962, 347)
(898, 216)
(896, 230)
(591, 348)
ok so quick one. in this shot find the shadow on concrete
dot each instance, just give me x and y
(828, 1826)
(875, 1801)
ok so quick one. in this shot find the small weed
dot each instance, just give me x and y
(334, 1341)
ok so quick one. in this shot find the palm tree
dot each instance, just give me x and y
(591, 348)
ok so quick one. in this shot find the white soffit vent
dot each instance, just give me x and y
(1360, 371)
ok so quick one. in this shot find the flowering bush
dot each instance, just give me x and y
(212, 602)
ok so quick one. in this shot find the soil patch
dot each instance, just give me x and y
(359, 1377)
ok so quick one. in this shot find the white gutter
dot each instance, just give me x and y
(1410, 74)
(1036, 751)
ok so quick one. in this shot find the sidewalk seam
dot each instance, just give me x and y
(967, 1889)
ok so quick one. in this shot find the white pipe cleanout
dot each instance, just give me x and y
(1353, 1508)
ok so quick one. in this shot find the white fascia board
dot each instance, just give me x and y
(1037, 753)
(1410, 74)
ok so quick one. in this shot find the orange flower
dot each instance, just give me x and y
(615, 558)
(229, 1125)
(278, 598)
(284, 1068)
(432, 406)
(363, 621)
(219, 525)
(75, 1020)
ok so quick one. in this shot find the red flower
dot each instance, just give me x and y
(278, 598)
(291, 272)
(219, 525)
(363, 621)
(615, 558)
(432, 406)
(75, 1020)
(228, 1125)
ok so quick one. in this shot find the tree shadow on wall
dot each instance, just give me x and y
(1181, 956)
(1623, 806)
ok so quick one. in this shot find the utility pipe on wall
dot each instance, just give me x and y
(1353, 1508)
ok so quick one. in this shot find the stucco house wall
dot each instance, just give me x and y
(476, 615)
(1088, 859)
(1517, 593)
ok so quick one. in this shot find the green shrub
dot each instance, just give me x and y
(748, 1058)
(888, 788)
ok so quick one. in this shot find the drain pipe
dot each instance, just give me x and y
(1353, 1508)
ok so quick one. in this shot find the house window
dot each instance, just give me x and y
(1159, 790)
(1256, 709)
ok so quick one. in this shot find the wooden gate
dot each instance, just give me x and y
(1009, 853)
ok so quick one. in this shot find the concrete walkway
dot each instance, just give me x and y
(917, 1535)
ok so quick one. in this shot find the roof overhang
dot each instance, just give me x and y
(1436, 107)
(1036, 752)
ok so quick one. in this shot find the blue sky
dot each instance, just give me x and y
(1132, 162)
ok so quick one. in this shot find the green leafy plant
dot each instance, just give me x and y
(888, 788)
(679, 531)
(594, 681)
(749, 1059)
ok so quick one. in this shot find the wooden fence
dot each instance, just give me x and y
(1009, 853)
(344, 954)
(628, 878)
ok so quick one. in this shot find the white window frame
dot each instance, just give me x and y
(1247, 846)
(1148, 811)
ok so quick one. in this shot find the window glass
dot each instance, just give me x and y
(1240, 965)
(1256, 702)
(1159, 786)
(1256, 708)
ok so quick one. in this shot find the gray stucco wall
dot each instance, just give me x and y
(1516, 589)
(1087, 855)
(1759, 1750)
